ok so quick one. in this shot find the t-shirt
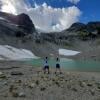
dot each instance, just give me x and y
(58, 62)
(46, 62)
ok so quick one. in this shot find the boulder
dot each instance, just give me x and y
(16, 73)
(21, 94)
(2, 75)
(32, 85)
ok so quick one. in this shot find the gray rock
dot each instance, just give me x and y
(42, 88)
(19, 81)
(74, 89)
(83, 84)
(2, 75)
(92, 91)
(12, 88)
(37, 82)
(16, 73)
(98, 85)
(14, 94)
(89, 84)
(21, 94)
(32, 85)
(5, 83)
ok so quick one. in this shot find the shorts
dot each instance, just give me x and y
(57, 65)
(46, 67)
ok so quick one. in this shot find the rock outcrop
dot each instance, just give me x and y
(22, 21)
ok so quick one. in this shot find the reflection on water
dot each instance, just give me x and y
(70, 65)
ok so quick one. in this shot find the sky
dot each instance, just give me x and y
(54, 15)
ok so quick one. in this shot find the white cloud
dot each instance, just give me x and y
(74, 1)
(45, 17)
(54, 19)
(14, 6)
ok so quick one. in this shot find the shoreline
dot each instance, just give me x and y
(12, 63)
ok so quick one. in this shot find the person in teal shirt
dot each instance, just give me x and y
(46, 66)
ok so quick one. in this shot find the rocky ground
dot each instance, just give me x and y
(20, 81)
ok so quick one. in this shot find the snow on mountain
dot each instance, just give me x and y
(12, 53)
(2, 18)
(66, 52)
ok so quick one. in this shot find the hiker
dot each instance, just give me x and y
(46, 66)
(58, 66)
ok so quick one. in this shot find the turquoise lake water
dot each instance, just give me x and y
(70, 65)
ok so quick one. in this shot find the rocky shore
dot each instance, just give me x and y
(20, 81)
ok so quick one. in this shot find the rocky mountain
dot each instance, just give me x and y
(18, 31)
(91, 27)
(94, 26)
(21, 25)
(21, 22)
(76, 27)
(77, 30)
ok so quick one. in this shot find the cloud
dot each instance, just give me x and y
(45, 17)
(14, 6)
(74, 1)
(49, 19)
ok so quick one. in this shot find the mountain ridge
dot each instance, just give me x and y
(79, 37)
(23, 21)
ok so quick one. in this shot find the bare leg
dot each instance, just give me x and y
(44, 70)
(56, 71)
(60, 71)
(48, 71)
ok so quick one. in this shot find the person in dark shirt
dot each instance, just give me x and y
(46, 66)
(58, 66)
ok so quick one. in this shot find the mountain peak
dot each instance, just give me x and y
(23, 21)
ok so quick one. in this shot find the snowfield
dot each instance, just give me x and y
(2, 18)
(12, 53)
(66, 52)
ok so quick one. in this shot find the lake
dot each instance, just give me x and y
(70, 65)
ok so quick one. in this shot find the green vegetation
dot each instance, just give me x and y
(83, 34)
(67, 45)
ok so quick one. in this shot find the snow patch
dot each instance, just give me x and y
(12, 53)
(2, 18)
(1, 58)
(66, 52)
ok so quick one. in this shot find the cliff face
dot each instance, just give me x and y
(17, 30)
(22, 21)
(89, 27)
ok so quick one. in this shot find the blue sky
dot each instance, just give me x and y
(90, 8)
